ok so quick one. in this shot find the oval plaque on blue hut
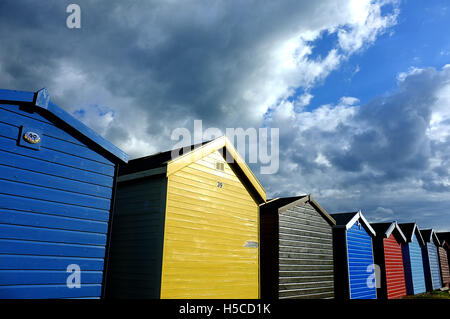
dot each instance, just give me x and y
(31, 137)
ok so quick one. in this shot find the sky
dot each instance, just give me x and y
(360, 90)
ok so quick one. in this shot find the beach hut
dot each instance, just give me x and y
(388, 256)
(187, 226)
(57, 184)
(412, 259)
(444, 254)
(296, 249)
(354, 269)
(431, 260)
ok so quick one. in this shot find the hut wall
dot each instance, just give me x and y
(211, 242)
(54, 211)
(434, 266)
(360, 257)
(416, 265)
(395, 275)
(443, 261)
(305, 254)
(137, 241)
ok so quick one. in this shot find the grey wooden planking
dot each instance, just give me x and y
(305, 254)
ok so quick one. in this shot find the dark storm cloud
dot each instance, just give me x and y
(136, 70)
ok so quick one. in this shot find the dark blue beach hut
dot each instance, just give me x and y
(431, 259)
(412, 259)
(57, 182)
(354, 269)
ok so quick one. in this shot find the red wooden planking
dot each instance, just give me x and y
(443, 260)
(395, 275)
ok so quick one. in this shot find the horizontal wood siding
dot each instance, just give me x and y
(443, 261)
(137, 239)
(360, 257)
(434, 266)
(54, 210)
(418, 275)
(207, 230)
(305, 254)
(395, 275)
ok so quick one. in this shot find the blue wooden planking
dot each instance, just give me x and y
(19, 262)
(41, 206)
(16, 96)
(53, 195)
(10, 131)
(14, 217)
(44, 180)
(434, 266)
(50, 235)
(10, 145)
(360, 256)
(49, 291)
(418, 276)
(54, 202)
(17, 118)
(41, 277)
(54, 169)
(23, 247)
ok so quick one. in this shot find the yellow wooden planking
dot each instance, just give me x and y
(206, 230)
(205, 150)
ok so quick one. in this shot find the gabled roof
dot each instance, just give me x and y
(409, 229)
(281, 204)
(172, 161)
(40, 100)
(429, 235)
(347, 220)
(387, 228)
(444, 238)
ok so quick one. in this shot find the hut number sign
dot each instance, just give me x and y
(30, 138)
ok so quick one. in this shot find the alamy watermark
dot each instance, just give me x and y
(262, 144)
(73, 20)
(74, 279)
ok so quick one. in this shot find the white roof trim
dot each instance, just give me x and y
(357, 216)
(391, 228)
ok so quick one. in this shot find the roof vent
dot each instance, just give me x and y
(220, 166)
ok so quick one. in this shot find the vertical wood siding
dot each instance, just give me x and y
(443, 261)
(54, 210)
(434, 266)
(137, 239)
(206, 230)
(395, 275)
(305, 254)
(360, 256)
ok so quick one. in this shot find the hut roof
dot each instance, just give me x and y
(281, 204)
(169, 162)
(409, 229)
(429, 235)
(40, 101)
(387, 229)
(347, 220)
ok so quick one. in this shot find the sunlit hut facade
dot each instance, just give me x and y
(431, 259)
(412, 259)
(354, 273)
(388, 254)
(187, 226)
(56, 195)
(296, 249)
